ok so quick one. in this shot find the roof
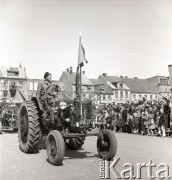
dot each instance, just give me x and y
(72, 78)
(5, 72)
(110, 78)
(96, 81)
(140, 85)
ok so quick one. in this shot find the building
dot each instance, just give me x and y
(9, 75)
(118, 91)
(170, 78)
(140, 89)
(162, 85)
(101, 94)
(68, 78)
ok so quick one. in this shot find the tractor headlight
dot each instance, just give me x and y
(63, 105)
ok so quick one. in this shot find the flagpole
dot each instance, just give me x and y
(80, 89)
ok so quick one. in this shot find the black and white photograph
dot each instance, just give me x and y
(85, 89)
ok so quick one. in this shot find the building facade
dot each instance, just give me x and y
(68, 79)
(120, 92)
(162, 85)
(140, 89)
(8, 75)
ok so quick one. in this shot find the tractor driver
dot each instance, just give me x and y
(43, 87)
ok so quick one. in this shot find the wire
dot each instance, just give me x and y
(73, 37)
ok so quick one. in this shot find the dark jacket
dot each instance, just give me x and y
(42, 87)
(165, 117)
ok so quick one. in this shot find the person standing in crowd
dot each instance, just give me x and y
(165, 117)
(113, 120)
(146, 120)
(151, 125)
(156, 121)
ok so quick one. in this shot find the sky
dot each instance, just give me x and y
(121, 37)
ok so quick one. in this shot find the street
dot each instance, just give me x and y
(82, 164)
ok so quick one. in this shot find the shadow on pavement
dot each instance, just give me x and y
(72, 154)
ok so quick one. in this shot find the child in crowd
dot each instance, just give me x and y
(136, 123)
(145, 120)
(151, 125)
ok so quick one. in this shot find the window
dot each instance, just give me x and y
(5, 93)
(146, 96)
(134, 96)
(5, 83)
(31, 86)
(12, 73)
(84, 95)
(104, 97)
(89, 87)
(35, 86)
(156, 96)
(126, 94)
(150, 96)
(98, 97)
(121, 94)
(163, 81)
(120, 85)
(109, 97)
(140, 97)
(116, 94)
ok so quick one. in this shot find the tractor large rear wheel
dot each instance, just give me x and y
(0, 127)
(29, 127)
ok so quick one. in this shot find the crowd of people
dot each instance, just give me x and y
(144, 117)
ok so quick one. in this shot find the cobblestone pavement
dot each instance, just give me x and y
(83, 164)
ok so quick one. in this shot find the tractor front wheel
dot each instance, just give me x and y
(55, 147)
(106, 144)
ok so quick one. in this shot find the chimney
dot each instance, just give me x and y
(70, 70)
(83, 72)
(121, 76)
(126, 76)
(104, 74)
(170, 73)
(135, 77)
(67, 69)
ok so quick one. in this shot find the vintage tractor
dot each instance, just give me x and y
(54, 118)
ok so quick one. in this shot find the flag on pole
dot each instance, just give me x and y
(81, 54)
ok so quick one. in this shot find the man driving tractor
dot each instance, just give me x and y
(46, 86)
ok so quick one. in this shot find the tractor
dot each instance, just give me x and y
(54, 118)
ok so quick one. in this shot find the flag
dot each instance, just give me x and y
(81, 54)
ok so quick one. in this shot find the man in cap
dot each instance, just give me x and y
(42, 87)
